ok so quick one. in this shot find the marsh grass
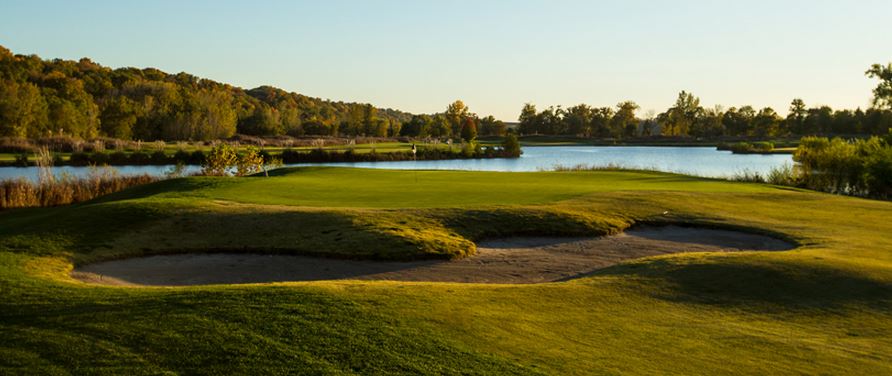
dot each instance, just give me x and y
(612, 166)
(52, 190)
(787, 175)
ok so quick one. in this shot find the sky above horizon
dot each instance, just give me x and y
(418, 56)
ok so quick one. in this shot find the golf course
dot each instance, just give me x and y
(791, 281)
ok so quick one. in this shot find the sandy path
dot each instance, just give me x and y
(512, 260)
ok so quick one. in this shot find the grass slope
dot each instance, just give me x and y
(823, 308)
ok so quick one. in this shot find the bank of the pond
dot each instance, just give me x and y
(700, 161)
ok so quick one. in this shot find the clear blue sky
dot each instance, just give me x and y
(495, 55)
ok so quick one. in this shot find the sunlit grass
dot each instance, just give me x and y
(825, 307)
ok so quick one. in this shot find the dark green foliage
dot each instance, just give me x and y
(118, 158)
(882, 94)
(489, 126)
(511, 146)
(182, 156)
(43, 98)
(159, 158)
(139, 158)
(878, 173)
(81, 158)
(21, 160)
(687, 118)
(197, 157)
(859, 167)
(98, 158)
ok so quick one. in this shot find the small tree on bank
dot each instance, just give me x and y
(219, 160)
(223, 159)
(511, 146)
(249, 163)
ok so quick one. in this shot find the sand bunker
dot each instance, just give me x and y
(512, 260)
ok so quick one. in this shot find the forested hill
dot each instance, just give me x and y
(41, 98)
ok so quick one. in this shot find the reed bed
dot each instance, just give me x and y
(66, 189)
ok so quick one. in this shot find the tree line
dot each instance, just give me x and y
(688, 118)
(46, 98)
(457, 121)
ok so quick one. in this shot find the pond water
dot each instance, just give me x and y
(701, 161)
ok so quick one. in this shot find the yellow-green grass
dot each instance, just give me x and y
(825, 307)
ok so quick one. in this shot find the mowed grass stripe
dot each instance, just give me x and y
(376, 188)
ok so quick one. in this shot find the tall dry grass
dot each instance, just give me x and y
(66, 189)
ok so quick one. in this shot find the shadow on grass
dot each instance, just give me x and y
(171, 187)
(344, 234)
(528, 221)
(762, 286)
(212, 331)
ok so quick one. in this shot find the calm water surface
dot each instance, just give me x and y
(702, 161)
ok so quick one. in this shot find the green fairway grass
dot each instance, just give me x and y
(822, 308)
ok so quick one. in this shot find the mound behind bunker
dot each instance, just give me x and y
(510, 260)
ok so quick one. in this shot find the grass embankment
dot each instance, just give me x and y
(824, 308)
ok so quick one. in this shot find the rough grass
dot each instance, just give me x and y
(823, 308)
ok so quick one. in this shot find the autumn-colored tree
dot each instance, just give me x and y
(469, 129)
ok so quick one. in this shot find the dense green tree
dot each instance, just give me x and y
(882, 94)
(795, 121)
(601, 121)
(578, 120)
(766, 123)
(441, 127)
(709, 123)
(354, 124)
(418, 126)
(455, 113)
(118, 117)
(551, 121)
(624, 123)
(677, 121)
(206, 115)
(818, 121)
(844, 122)
(381, 128)
(263, 121)
(529, 122)
(394, 128)
(739, 122)
(877, 121)
(370, 124)
(23, 110)
(489, 126)
(316, 128)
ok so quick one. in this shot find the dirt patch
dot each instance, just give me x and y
(512, 260)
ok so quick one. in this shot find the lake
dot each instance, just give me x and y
(701, 161)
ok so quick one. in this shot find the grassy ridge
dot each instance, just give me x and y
(823, 308)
